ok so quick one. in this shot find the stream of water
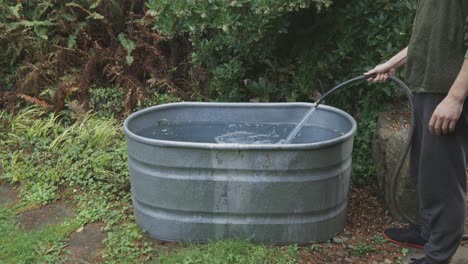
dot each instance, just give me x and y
(299, 126)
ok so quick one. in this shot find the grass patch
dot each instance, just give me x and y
(226, 252)
(76, 158)
(42, 246)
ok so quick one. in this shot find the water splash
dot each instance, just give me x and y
(245, 137)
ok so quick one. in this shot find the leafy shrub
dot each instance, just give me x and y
(233, 40)
(106, 100)
(89, 153)
(353, 37)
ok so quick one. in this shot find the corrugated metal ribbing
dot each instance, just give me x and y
(268, 194)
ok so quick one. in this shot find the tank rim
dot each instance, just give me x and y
(179, 144)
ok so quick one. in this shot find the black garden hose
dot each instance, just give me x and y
(399, 166)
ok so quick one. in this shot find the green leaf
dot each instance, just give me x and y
(14, 10)
(71, 42)
(129, 59)
(128, 45)
(34, 23)
(405, 251)
(95, 16)
(41, 31)
(74, 4)
(95, 4)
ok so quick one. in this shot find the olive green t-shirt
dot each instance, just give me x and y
(438, 45)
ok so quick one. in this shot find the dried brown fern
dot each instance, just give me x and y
(63, 93)
(96, 58)
(35, 101)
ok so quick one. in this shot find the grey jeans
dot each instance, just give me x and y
(438, 164)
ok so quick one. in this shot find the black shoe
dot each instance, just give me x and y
(408, 237)
(419, 261)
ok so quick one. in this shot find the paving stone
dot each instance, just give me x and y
(86, 245)
(7, 194)
(388, 145)
(461, 257)
(50, 214)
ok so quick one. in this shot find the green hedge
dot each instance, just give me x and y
(351, 38)
(233, 40)
(283, 50)
(355, 36)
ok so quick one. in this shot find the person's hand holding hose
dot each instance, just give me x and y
(384, 70)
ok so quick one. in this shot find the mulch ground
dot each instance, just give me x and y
(361, 241)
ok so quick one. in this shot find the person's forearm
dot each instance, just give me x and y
(459, 89)
(381, 72)
(400, 58)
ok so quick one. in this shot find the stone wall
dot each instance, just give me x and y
(388, 146)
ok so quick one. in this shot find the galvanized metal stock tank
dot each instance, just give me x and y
(192, 191)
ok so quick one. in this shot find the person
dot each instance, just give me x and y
(436, 62)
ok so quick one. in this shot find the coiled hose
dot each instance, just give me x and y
(400, 163)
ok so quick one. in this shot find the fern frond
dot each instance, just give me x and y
(34, 101)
